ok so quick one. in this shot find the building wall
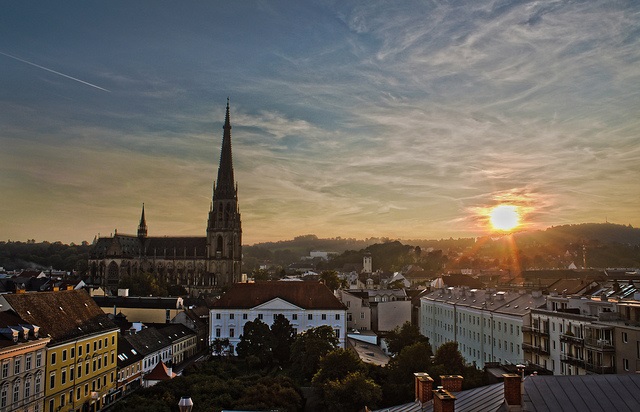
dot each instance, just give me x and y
(393, 314)
(229, 323)
(358, 315)
(81, 372)
(22, 376)
(145, 315)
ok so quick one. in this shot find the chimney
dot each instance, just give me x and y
(423, 387)
(443, 401)
(451, 383)
(512, 389)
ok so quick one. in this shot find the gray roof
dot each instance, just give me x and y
(482, 399)
(618, 393)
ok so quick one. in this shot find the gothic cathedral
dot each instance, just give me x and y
(201, 265)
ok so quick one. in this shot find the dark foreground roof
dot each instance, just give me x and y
(620, 393)
(306, 295)
(62, 315)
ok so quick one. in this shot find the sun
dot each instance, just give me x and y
(504, 217)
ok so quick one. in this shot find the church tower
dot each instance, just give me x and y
(224, 230)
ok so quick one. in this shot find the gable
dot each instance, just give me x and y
(277, 304)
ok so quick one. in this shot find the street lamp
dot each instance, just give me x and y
(185, 404)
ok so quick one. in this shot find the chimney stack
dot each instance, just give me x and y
(423, 387)
(512, 389)
(451, 383)
(443, 401)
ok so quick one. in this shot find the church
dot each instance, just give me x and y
(199, 264)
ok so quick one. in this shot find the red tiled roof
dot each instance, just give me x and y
(307, 295)
(159, 373)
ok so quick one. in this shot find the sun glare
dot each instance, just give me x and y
(504, 217)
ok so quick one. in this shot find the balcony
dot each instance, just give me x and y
(527, 347)
(527, 329)
(599, 369)
(571, 339)
(601, 345)
(572, 361)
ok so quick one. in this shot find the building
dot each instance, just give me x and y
(141, 309)
(129, 368)
(487, 324)
(304, 304)
(22, 366)
(81, 354)
(199, 264)
(183, 342)
(152, 345)
(358, 310)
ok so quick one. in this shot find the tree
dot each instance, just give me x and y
(284, 336)
(256, 341)
(352, 393)
(398, 387)
(309, 347)
(219, 346)
(403, 336)
(450, 358)
(330, 279)
(336, 365)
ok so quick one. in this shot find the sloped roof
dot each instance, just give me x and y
(619, 393)
(159, 373)
(148, 340)
(176, 331)
(62, 315)
(140, 302)
(482, 399)
(307, 295)
(127, 354)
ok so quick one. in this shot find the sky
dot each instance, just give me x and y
(403, 119)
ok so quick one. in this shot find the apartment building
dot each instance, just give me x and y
(80, 365)
(22, 367)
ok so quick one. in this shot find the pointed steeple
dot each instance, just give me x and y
(142, 227)
(225, 184)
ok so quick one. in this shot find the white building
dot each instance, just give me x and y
(305, 305)
(486, 324)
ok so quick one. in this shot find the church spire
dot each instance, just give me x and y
(142, 227)
(225, 185)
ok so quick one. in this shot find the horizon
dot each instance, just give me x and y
(401, 121)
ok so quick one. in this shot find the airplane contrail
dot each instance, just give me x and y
(55, 72)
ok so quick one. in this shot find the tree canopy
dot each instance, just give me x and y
(403, 336)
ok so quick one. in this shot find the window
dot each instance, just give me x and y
(38, 359)
(275, 316)
(217, 332)
(324, 316)
(16, 366)
(337, 316)
(260, 316)
(337, 332)
(63, 376)
(294, 316)
(38, 383)
(310, 316)
(86, 368)
(231, 316)
(16, 392)
(232, 333)
(361, 315)
(625, 364)
(27, 363)
(27, 388)
(62, 399)
(217, 316)
(78, 394)
(52, 405)
(99, 344)
(79, 369)
(73, 353)
(64, 355)
(625, 338)
(71, 370)
(88, 349)
(52, 380)
(3, 396)
(53, 358)
(95, 346)
(79, 350)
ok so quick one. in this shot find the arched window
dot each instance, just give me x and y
(3, 395)
(27, 387)
(38, 384)
(112, 272)
(16, 391)
(219, 247)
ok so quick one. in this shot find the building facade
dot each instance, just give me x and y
(22, 365)
(80, 362)
(199, 264)
(304, 304)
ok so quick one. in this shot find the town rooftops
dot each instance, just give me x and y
(61, 315)
(306, 295)
(127, 354)
(148, 340)
(138, 302)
